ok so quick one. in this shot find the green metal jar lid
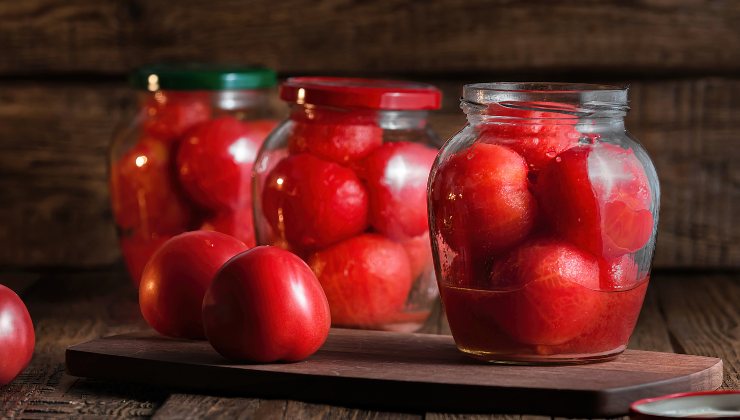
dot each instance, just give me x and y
(195, 76)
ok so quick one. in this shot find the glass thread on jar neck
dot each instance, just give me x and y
(543, 103)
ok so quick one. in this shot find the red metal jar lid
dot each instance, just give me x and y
(361, 93)
(709, 404)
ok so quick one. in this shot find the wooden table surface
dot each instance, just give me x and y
(693, 313)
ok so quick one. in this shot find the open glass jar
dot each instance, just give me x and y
(342, 183)
(184, 160)
(543, 214)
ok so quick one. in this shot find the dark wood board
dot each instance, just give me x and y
(375, 37)
(400, 371)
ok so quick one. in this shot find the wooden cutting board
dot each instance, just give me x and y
(409, 372)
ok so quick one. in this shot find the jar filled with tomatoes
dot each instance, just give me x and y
(543, 215)
(184, 160)
(342, 183)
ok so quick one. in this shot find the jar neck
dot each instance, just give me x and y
(225, 100)
(515, 113)
(386, 119)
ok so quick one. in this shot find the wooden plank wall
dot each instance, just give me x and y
(63, 91)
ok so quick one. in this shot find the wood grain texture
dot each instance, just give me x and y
(87, 36)
(80, 305)
(55, 140)
(697, 327)
(398, 371)
(66, 309)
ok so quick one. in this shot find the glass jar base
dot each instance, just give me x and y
(551, 359)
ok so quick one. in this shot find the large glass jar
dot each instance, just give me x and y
(543, 213)
(184, 160)
(342, 183)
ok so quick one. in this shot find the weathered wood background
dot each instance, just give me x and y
(62, 92)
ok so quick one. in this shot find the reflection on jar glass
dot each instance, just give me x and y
(342, 183)
(184, 160)
(543, 214)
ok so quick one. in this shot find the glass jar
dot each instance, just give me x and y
(184, 160)
(342, 183)
(543, 213)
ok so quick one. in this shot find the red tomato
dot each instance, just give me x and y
(169, 115)
(237, 223)
(17, 337)
(137, 251)
(314, 203)
(146, 200)
(396, 175)
(215, 161)
(554, 292)
(419, 251)
(366, 279)
(341, 143)
(176, 278)
(619, 273)
(482, 202)
(598, 197)
(536, 134)
(266, 305)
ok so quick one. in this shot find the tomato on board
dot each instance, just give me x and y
(366, 278)
(266, 305)
(215, 159)
(553, 292)
(17, 337)
(396, 175)
(482, 201)
(314, 203)
(598, 197)
(176, 278)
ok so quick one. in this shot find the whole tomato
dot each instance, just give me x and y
(396, 175)
(553, 292)
(482, 201)
(215, 159)
(266, 305)
(367, 279)
(176, 278)
(146, 200)
(17, 337)
(598, 197)
(314, 203)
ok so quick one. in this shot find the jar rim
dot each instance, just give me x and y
(575, 93)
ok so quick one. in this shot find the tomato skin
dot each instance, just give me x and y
(537, 135)
(366, 278)
(146, 200)
(266, 305)
(176, 278)
(598, 197)
(215, 159)
(419, 251)
(396, 175)
(482, 203)
(168, 115)
(554, 292)
(340, 143)
(238, 223)
(17, 337)
(313, 202)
